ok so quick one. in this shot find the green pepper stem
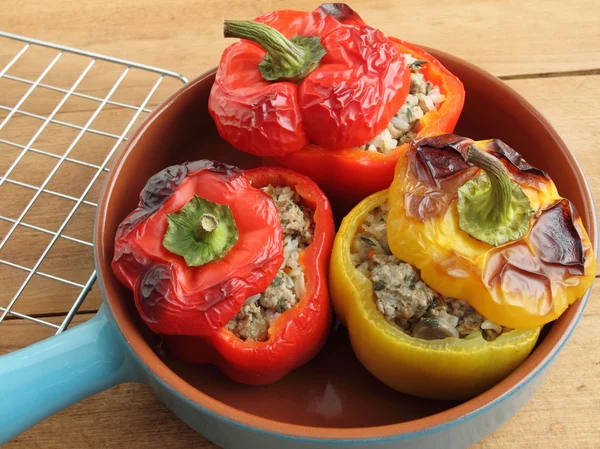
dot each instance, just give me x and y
(491, 207)
(287, 59)
(283, 51)
(200, 232)
(206, 224)
(497, 205)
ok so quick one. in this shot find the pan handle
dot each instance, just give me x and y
(44, 378)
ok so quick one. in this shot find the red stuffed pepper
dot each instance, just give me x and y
(230, 267)
(298, 77)
(200, 242)
(347, 122)
(287, 324)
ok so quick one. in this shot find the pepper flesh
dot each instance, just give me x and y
(352, 174)
(452, 368)
(300, 332)
(359, 85)
(524, 283)
(172, 297)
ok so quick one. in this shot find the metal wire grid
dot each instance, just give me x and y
(28, 148)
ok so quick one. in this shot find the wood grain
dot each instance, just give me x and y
(508, 37)
(511, 38)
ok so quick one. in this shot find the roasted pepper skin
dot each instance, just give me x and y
(351, 96)
(523, 283)
(173, 298)
(449, 369)
(352, 174)
(300, 332)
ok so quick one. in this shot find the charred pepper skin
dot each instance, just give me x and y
(522, 283)
(351, 95)
(448, 369)
(172, 297)
(300, 332)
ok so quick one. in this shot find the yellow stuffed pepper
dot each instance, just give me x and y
(410, 335)
(483, 225)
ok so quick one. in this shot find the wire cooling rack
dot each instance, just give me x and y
(52, 162)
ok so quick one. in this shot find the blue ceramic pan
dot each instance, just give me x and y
(332, 401)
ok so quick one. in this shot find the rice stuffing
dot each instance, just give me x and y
(260, 311)
(403, 298)
(423, 96)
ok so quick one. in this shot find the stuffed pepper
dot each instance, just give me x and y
(486, 226)
(228, 266)
(327, 95)
(410, 330)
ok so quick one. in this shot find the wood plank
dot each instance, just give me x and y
(67, 260)
(562, 415)
(510, 37)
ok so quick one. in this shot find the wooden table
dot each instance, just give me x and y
(547, 50)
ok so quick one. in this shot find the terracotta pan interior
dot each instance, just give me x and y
(333, 396)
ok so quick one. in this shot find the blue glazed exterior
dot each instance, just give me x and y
(44, 378)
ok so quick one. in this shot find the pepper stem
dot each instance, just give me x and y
(200, 232)
(287, 59)
(492, 208)
(496, 205)
(207, 224)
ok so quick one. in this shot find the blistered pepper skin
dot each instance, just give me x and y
(351, 174)
(300, 332)
(173, 298)
(449, 369)
(523, 283)
(360, 84)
